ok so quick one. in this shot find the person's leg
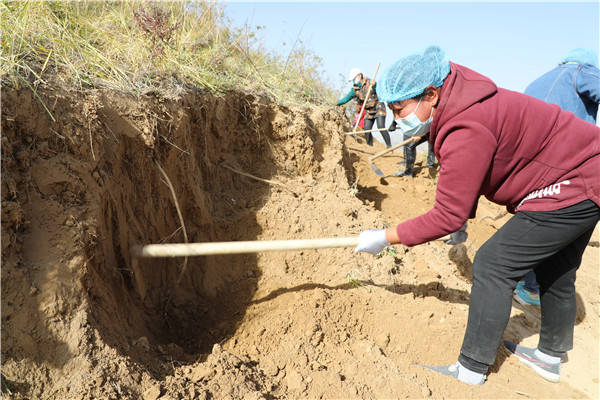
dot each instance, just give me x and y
(368, 125)
(557, 296)
(559, 307)
(430, 156)
(527, 290)
(525, 241)
(404, 151)
(531, 283)
(410, 155)
(384, 133)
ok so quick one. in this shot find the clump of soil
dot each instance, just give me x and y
(81, 318)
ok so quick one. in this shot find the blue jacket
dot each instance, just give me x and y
(572, 86)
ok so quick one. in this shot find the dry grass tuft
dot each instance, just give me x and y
(148, 47)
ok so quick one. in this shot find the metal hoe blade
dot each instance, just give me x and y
(372, 164)
(376, 170)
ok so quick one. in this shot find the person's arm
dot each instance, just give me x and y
(466, 156)
(346, 98)
(417, 140)
(587, 83)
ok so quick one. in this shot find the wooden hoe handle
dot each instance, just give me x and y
(394, 147)
(257, 246)
(370, 130)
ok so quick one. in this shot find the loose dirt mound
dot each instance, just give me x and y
(81, 319)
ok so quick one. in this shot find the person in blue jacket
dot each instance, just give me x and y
(574, 85)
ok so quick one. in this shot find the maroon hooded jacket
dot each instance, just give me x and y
(515, 150)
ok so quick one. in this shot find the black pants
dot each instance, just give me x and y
(380, 125)
(410, 154)
(551, 243)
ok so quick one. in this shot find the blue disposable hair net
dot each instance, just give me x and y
(581, 56)
(409, 76)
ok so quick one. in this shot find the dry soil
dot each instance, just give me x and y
(82, 319)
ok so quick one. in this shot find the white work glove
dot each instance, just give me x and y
(372, 241)
(459, 236)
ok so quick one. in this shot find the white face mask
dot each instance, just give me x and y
(412, 125)
(356, 80)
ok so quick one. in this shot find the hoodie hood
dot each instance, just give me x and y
(462, 88)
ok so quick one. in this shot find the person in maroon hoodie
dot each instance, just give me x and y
(511, 148)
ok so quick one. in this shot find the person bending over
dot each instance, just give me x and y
(510, 148)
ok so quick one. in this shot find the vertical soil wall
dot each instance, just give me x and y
(83, 185)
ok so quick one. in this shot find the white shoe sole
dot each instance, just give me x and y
(519, 300)
(540, 371)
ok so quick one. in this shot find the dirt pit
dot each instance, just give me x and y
(82, 320)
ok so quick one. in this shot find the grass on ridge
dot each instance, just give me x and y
(142, 47)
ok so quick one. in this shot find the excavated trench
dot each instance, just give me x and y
(98, 166)
(137, 299)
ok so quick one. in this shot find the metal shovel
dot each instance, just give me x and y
(394, 147)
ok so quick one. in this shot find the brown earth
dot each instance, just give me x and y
(82, 320)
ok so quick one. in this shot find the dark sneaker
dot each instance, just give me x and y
(450, 370)
(525, 297)
(410, 174)
(527, 356)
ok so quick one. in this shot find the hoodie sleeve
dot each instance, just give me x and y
(587, 83)
(465, 156)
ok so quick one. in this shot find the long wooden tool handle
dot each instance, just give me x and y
(366, 97)
(370, 130)
(212, 248)
(394, 147)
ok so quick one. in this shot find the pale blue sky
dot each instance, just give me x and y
(510, 42)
